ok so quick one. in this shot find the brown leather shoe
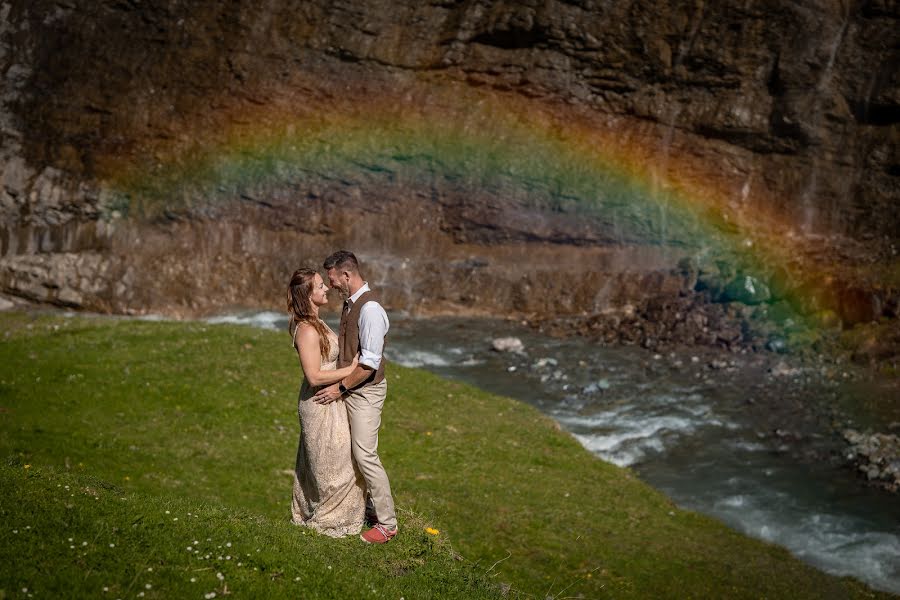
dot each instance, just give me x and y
(379, 534)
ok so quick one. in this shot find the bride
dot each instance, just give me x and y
(329, 492)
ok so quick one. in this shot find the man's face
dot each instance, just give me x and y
(339, 280)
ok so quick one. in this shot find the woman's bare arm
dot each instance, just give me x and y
(307, 339)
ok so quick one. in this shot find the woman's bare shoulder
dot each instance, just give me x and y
(306, 331)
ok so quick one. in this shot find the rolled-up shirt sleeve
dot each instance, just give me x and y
(373, 327)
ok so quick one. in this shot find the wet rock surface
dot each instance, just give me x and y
(803, 98)
(808, 117)
(507, 344)
(703, 315)
(876, 456)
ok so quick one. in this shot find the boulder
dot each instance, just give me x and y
(508, 344)
(877, 456)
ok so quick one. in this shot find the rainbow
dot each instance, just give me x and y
(611, 169)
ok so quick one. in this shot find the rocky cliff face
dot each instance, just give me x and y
(792, 109)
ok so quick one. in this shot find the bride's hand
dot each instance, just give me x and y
(355, 361)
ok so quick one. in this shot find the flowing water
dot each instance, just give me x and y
(702, 436)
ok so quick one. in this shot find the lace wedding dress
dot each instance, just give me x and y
(329, 491)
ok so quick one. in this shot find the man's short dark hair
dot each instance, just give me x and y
(342, 260)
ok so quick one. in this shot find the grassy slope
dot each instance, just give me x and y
(71, 536)
(204, 416)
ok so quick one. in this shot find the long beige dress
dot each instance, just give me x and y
(329, 491)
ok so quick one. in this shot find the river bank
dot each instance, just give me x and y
(754, 438)
(852, 373)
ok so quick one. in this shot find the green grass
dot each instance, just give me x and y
(76, 536)
(201, 419)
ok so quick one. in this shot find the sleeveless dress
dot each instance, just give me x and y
(329, 491)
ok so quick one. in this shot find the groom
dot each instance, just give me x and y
(364, 325)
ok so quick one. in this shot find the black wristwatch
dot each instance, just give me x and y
(342, 388)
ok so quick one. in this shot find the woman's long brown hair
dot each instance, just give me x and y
(301, 310)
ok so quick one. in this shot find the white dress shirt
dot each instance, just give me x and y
(373, 327)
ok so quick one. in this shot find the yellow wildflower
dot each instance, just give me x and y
(27, 466)
(431, 531)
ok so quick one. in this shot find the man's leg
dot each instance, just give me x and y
(364, 409)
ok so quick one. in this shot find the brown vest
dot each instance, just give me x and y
(348, 338)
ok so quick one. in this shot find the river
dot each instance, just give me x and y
(704, 431)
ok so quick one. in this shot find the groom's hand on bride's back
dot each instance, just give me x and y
(327, 394)
(332, 392)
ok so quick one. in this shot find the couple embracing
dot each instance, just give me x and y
(339, 482)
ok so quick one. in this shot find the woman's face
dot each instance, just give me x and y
(319, 294)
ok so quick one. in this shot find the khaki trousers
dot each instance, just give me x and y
(364, 409)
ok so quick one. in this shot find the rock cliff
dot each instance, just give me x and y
(784, 110)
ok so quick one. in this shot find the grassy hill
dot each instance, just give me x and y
(140, 418)
(75, 536)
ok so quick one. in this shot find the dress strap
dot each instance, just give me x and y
(294, 335)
